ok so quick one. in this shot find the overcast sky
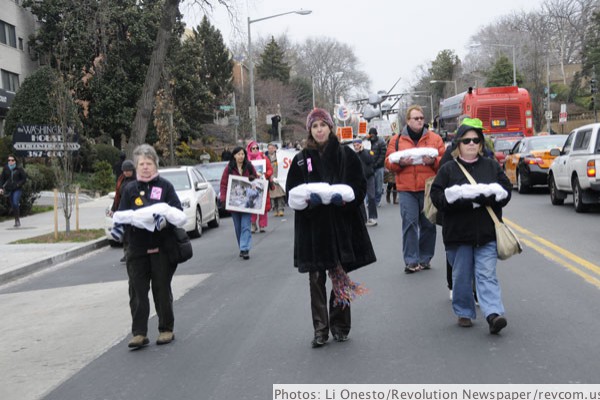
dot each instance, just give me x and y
(391, 38)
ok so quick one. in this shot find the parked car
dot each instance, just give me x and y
(574, 169)
(197, 198)
(503, 145)
(213, 172)
(527, 164)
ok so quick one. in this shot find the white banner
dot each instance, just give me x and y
(284, 160)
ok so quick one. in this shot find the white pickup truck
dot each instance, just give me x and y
(574, 169)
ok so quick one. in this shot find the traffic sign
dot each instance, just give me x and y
(562, 117)
(226, 107)
(549, 114)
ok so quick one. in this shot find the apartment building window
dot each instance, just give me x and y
(20, 43)
(10, 81)
(8, 34)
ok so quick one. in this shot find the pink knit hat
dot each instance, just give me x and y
(318, 114)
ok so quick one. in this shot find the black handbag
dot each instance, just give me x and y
(182, 251)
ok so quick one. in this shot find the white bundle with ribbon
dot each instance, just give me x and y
(144, 217)
(299, 196)
(416, 154)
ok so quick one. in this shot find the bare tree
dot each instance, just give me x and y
(334, 69)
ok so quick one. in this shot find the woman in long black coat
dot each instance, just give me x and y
(329, 238)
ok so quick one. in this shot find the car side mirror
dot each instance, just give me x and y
(555, 152)
(202, 185)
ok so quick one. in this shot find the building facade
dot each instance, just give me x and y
(16, 60)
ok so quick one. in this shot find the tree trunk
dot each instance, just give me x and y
(143, 114)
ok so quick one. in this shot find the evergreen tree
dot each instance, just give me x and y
(102, 49)
(501, 73)
(444, 67)
(272, 64)
(193, 100)
(217, 65)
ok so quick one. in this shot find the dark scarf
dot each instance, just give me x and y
(415, 136)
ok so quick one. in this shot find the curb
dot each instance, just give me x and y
(26, 269)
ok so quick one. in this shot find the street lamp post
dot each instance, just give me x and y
(251, 63)
(514, 59)
(455, 87)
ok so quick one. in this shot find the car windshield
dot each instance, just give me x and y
(547, 143)
(212, 172)
(501, 145)
(179, 179)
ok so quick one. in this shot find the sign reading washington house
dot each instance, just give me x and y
(44, 141)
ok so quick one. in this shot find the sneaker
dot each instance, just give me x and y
(425, 265)
(138, 341)
(412, 268)
(281, 213)
(262, 229)
(245, 254)
(340, 337)
(496, 322)
(465, 322)
(371, 222)
(318, 341)
(165, 338)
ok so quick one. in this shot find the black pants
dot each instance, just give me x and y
(338, 319)
(143, 271)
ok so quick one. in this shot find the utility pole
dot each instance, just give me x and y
(548, 111)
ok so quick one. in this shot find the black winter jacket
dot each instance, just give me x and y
(367, 163)
(328, 235)
(12, 180)
(378, 149)
(463, 224)
(139, 194)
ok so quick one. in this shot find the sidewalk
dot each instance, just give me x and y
(21, 259)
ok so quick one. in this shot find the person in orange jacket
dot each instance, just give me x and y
(418, 234)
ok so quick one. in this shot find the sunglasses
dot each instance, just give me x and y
(418, 118)
(475, 140)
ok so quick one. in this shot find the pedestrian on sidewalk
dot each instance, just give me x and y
(366, 160)
(260, 222)
(418, 234)
(239, 165)
(148, 261)
(127, 175)
(329, 239)
(12, 179)
(467, 228)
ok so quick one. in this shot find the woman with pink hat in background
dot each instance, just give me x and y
(254, 153)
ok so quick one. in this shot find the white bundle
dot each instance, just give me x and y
(144, 217)
(468, 191)
(416, 154)
(299, 196)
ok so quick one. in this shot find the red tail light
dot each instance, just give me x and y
(533, 160)
(591, 169)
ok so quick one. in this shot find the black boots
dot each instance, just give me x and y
(17, 220)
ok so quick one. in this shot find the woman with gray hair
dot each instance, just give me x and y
(148, 262)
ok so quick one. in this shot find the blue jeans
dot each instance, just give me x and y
(241, 223)
(15, 198)
(378, 184)
(371, 198)
(418, 234)
(478, 262)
